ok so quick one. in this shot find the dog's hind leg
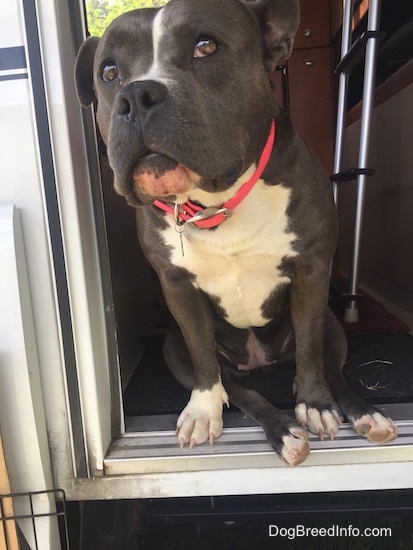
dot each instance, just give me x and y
(365, 419)
(288, 439)
(177, 358)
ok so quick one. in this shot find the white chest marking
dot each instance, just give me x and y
(238, 262)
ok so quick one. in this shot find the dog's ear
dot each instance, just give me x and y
(279, 21)
(84, 71)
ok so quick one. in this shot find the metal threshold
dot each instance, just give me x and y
(150, 446)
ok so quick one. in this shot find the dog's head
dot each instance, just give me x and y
(183, 99)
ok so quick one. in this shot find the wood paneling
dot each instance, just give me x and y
(314, 30)
(311, 106)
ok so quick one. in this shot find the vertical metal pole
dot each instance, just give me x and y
(346, 29)
(342, 92)
(351, 312)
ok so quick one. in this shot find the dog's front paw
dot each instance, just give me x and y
(376, 427)
(319, 420)
(202, 417)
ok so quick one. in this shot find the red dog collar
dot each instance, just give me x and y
(211, 216)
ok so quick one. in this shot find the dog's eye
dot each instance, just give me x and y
(205, 45)
(109, 72)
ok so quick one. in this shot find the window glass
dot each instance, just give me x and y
(100, 13)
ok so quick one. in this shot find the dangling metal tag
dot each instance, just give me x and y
(179, 227)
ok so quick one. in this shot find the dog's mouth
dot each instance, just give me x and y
(153, 163)
(156, 175)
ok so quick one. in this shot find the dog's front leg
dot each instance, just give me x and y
(194, 351)
(315, 406)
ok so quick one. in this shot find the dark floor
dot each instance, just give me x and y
(379, 368)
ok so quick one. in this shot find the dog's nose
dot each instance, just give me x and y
(140, 96)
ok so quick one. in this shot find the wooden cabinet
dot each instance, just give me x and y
(310, 80)
(314, 30)
(311, 106)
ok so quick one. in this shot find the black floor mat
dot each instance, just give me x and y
(379, 369)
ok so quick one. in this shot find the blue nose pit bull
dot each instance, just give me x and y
(233, 211)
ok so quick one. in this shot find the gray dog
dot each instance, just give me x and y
(234, 212)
